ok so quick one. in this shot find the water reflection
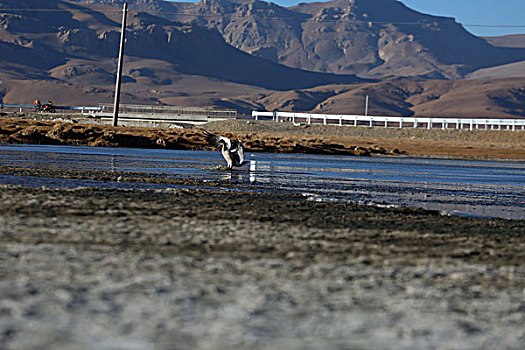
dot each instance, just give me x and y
(480, 188)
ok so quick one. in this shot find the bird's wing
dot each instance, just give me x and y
(217, 140)
(238, 153)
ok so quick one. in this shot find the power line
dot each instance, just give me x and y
(54, 10)
(202, 15)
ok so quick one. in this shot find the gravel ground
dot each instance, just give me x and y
(179, 269)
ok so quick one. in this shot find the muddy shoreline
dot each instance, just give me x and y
(267, 136)
(427, 234)
(178, 268)
(29, 131)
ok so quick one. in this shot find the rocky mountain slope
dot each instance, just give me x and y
(48, 41)
(66, 51)
(370, 38)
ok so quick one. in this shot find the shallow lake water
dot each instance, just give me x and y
(457, 187)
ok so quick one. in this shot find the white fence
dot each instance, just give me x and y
(401, 122)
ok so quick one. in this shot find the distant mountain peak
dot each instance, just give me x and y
(371, 38)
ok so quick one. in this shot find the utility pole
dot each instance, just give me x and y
(120, 60)
(366, 104)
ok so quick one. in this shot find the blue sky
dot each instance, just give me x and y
(484, 12)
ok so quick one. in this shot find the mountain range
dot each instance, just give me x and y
(251, 54)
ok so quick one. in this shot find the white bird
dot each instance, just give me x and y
(232, 150)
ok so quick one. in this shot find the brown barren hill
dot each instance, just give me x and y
(224, 59)
(515, 40)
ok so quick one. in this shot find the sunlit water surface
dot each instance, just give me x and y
(459, 187)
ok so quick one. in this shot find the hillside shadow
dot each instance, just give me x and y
(200, 51)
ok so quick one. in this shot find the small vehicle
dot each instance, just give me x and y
(49, 108)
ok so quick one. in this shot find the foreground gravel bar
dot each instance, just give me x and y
(195, 269)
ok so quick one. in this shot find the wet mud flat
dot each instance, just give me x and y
(211, 269)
